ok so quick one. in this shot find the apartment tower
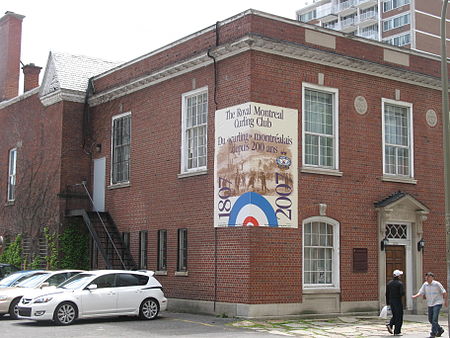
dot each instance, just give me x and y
(413, 24)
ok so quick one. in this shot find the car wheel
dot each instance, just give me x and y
(149, 309)
(65, 313)
(14, 309)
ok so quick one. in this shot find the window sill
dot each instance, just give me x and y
(321, 171)
(398, 179)
(119, 185)
(9, 203)
(161, 273)
(317, 290)
(181, 273)
(193, 173)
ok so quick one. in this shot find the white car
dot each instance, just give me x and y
(10, 296)
(101, 293)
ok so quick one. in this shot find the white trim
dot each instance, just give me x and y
(411, 138)
(335, 93)
(407, 243)
(184, 97)
(335, 286)
(125, 183)
(12, 165)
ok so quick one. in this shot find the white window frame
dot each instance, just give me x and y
(391, 39)
(184, 141)
(335, 93)
(409, 107)
(391, 6)
(392, 20)
(112, 183)
(335, 285)
(12, 170)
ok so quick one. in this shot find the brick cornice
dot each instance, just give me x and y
(271, 46)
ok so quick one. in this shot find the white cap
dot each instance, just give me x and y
(397, 273)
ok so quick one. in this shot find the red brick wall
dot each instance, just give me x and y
(260, 265)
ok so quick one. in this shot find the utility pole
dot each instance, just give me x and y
(446, 132)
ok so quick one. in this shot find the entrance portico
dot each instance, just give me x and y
(400, 224)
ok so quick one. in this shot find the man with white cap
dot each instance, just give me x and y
(394, 293)
(435, 295)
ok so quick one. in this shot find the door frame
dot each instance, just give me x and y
(99, 184)
(407, 243)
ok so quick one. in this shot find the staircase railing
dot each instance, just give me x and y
(106, 231)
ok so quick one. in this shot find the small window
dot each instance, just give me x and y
(128, 279)
(12, 174)
(195, 116)
(182, 250)
(121, 142)
(143, 240)
(105, 281)
(162, 250)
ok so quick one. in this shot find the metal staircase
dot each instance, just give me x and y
(106, 236)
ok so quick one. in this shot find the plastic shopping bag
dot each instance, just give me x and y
(385, 312)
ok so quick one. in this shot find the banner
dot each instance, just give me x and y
(255, 166)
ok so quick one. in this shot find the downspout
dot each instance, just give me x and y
(215, 103)
(87, 119)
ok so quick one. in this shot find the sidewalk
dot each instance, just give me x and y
(357, 326)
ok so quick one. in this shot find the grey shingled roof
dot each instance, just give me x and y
(74, 71)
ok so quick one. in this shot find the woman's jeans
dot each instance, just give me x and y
(433, 318)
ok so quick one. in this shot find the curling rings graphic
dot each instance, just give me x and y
(252, 209)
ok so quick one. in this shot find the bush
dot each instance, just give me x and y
(13, 253)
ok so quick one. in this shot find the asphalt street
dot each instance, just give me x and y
(186, 325)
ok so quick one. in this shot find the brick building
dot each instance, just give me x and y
(261, 166)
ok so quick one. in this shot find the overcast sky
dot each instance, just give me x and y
(122, 30)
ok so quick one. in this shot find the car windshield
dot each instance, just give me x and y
(11, 278)
(33, 281)
(76, 281)
(26, 276)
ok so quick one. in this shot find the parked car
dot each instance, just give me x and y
(7, 269)
(101, 293)
(10, 297)
(18, 277)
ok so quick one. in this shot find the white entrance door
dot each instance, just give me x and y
(99, 184)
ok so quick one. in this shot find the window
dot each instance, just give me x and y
(320, 253)
(129, 279)
(121, 138)
(307, 16)
(392, 4)
(320, 139)
(105, 281)
(143, 240)
(12, 174)
(126, 242)
(162, 250)
(397, 138)
(396, 22)
(400, 40)
(182, 250)
(194, 114)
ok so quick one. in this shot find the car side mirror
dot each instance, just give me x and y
(44, 285)
(92, 287)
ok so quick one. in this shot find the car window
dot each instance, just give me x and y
(105, 281)
(57, 279)
(130, 279)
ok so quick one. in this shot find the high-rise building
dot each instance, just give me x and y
(413, 24)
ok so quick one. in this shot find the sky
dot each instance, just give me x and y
(121, 30)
